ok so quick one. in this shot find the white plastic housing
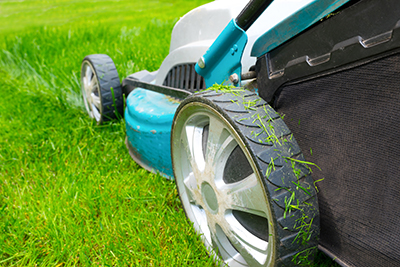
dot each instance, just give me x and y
(194, 33)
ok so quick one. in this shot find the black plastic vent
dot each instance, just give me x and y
(185, 77)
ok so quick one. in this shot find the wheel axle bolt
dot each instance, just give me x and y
(201, 63)
(234, 78)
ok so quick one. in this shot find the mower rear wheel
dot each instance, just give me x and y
(101, 88)
(242, 180)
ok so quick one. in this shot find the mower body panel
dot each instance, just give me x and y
(148, 118)
(196, 31)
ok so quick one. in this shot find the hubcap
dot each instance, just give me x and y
(91, 91)
(220, 187)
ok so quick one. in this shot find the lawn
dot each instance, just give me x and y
(69, 192)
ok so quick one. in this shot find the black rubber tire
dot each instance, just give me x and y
(111, 101)
(281, 182)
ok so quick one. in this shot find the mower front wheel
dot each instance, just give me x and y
(242, 180)
(101, 88)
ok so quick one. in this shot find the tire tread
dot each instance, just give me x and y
(240, 114)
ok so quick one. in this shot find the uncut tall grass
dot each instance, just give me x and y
(70, 195)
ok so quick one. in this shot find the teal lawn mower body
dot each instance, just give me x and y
(149, 115)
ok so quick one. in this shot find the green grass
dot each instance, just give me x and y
(69, 192)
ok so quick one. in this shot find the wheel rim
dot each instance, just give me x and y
(220, 187)
(91, 91)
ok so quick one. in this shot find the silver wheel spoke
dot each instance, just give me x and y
(220, 241)
(253, 249)
(93, 87)
(85, 83)
(89, 74)
(95, 113)
(222, 154)
(226, 249)
(216, 136)
(221, 157)
(88, 87)
(96, 101)
(85, 89)
(246, 195)
(187, 143)
(202, 223)
(190, 187)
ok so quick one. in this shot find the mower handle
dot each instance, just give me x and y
(251, 12)
(224, 56)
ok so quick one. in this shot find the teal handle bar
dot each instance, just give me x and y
(224, 56)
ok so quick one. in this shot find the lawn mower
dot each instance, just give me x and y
(256, 110)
